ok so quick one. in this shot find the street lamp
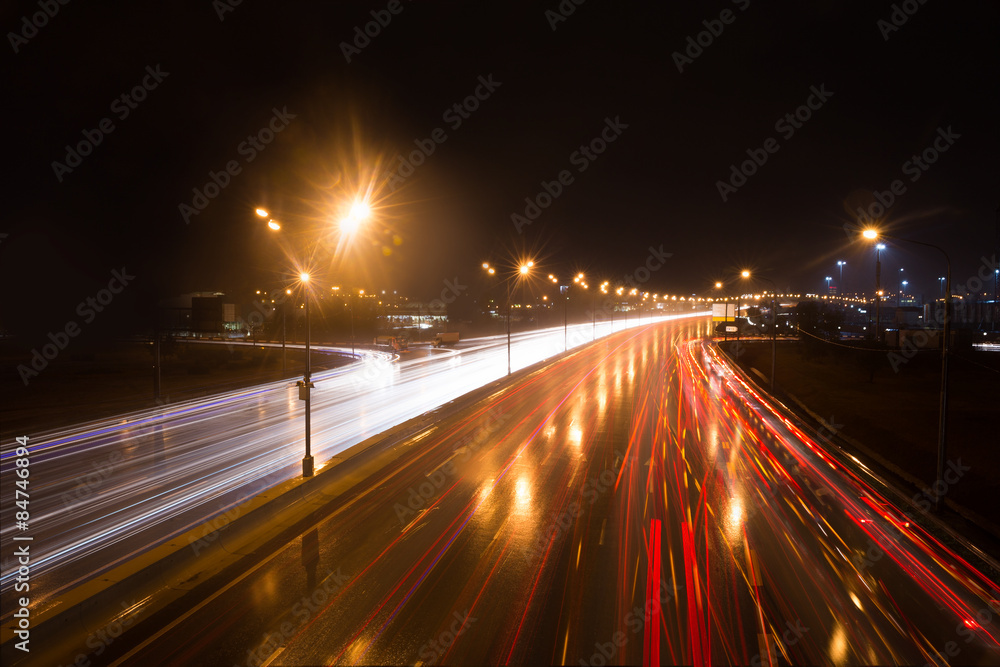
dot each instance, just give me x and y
(274, 226)
(555, 281)
(774, 320)
(899, 296)
(581, 280)
(879, 247)
(828, 279)
(523, 270)
(284, 307)
(736, 313)
(872, 235)
(357, 214)
(725, 317)
(604, 290)
(840, 264)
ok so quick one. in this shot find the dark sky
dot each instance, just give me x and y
(656, 184)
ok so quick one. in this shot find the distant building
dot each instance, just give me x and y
(912, 315)
(199, 314)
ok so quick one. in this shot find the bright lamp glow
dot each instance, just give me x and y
(262, 213)
(745, 273)
(870, 234)
(360, 211)
(273, 224)
(304, 277)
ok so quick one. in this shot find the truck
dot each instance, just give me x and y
(445, 339)
(395, 343)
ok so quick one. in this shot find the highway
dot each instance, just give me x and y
(631, 503)
(106, 491)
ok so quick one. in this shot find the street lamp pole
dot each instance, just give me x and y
(510, 284)
(725, 317)
(736, 314)
(774, 320)
(996, 280)
(945, 347)
(358, 213)
(878, 292)
(565, 319)
(593, 313)
(284, 307)
(840, 264)
(611, 319)
(565, 309)
(305, 388)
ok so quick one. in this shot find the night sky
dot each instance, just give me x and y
(216, 74)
